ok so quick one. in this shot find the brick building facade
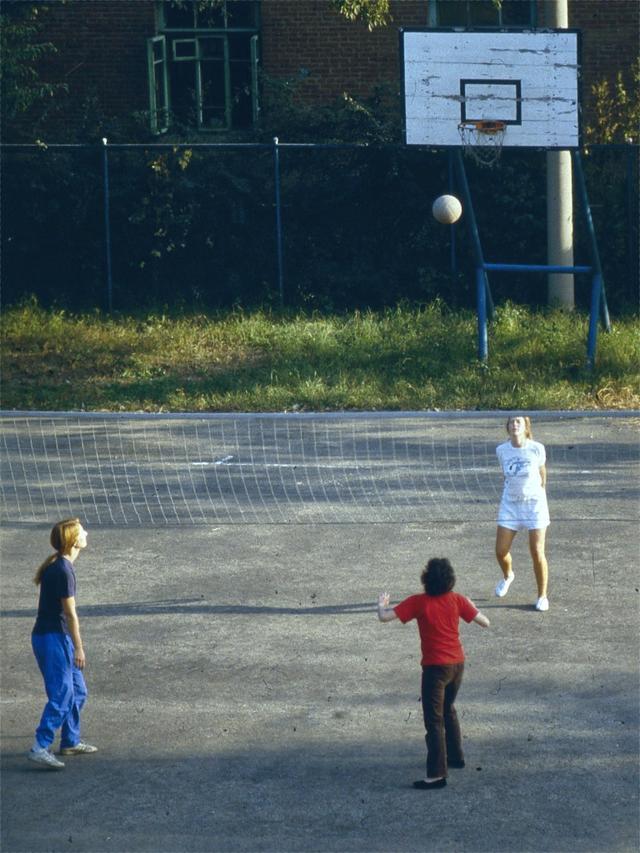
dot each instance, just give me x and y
(103, 51)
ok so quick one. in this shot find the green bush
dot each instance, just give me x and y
(196, 226)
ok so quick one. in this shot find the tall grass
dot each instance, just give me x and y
(406, 358)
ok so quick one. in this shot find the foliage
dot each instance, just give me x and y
(616, 109)
(286, 114)
(196, 226)
(406, 357)
(373, 13)
(21, 85)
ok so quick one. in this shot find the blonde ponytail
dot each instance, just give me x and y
(37, 579)
(64, 536)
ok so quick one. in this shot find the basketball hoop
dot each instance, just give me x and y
(482, 140)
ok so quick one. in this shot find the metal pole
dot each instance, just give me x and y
(276, 172)
(593, 243)
(481, 275)
(107, 225)
(596, 293)
(632, 196)
(473, 226)
(481, 298)
(561, 289)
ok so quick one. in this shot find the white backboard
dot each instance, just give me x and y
(527, 79)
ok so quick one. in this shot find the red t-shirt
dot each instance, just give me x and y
(438, 617)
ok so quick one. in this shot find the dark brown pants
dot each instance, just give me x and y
(440, 685)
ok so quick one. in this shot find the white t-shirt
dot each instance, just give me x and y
(521, 469)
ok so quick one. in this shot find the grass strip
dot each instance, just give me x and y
(406, 358)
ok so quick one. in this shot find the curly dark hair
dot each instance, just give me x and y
(438, 576)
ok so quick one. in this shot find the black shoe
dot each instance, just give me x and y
(423, 785)
(458, 765)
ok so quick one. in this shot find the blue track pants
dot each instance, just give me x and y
(65, 687)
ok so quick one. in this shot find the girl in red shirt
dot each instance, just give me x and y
(438, 612)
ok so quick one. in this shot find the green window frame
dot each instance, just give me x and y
(475, 14)
(211, 62)
(159, 104)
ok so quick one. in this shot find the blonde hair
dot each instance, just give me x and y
(64, 536)
(527, 424)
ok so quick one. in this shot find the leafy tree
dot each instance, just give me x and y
(374, 13)
(21, 85)
(616, 109)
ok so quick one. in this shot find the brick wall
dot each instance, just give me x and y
(338, 54)
(610, 40)
(343, 56)
(101, 50)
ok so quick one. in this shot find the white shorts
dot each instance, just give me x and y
(524, 515)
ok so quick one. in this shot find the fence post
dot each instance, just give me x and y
(107, 225)
(276, 174)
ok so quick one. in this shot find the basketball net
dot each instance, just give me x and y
(482, 140)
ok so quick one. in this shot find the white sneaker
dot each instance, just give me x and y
(503, 586)
(81, 748)
(542, 603)
(46, 758)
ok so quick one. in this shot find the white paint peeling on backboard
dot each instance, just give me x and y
(529, 79)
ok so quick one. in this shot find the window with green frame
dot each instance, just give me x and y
(203, 64)
(485, 13)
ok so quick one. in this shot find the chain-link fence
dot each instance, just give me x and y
(326, 227)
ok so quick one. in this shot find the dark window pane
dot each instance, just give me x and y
(482, 13)
(184, 49)
(212, 48)
(517, 13)
(452, 13)
(183, 84)
(241, 103)
(211, 17)
(178, 15)
(213, 95)
(242, 13)
(240, 47)
(158, 51)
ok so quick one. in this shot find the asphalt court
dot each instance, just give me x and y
(242, 692)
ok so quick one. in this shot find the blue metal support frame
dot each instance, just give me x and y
(593, 243)
(483, 292)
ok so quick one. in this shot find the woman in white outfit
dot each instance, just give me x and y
(523, 505)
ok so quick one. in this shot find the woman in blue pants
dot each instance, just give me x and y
(58, 649)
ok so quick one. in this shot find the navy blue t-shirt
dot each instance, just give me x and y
(58, 582)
